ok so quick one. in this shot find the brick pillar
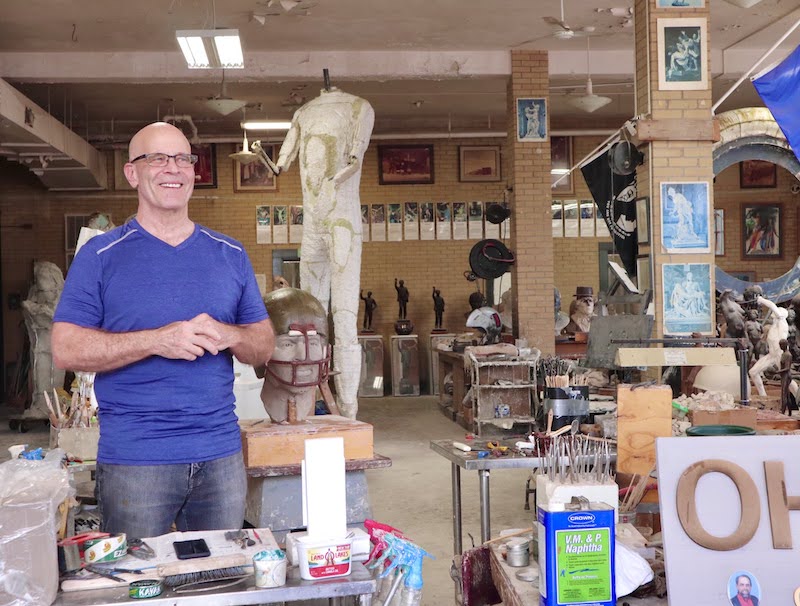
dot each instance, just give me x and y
(675, 156)
(531, 232)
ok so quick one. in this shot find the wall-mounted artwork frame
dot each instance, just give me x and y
(205, 171)
(762, 230)
(643, 220)
(686, 298)
(682, 61)
(719, 232)
(254, 177)
(560, 163)
(757, 174)
(680, 4)
(405, 164)
(532, 119)
(685, 220)
(478, 163)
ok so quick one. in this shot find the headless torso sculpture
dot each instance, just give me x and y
(330, 135)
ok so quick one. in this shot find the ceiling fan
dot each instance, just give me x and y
(564, 31)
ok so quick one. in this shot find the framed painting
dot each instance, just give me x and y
(644, 279)
(762, 231)
(680, 4)
(757, 174)
(719, 232)
(685, 209)
(479, 163)
(405, 164)
(687, 298)
(643, 220)
(205, 171)
(560, 163)
(532, 119)
(682, 61)
(254, 176)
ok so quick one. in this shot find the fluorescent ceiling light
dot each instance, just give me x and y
(208, 48)
(266, 125)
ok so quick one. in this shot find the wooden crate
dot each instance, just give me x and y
(273, 444)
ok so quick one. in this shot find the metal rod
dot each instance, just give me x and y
(483, 485)
(455, 473)
(744, 378)
(755, 65)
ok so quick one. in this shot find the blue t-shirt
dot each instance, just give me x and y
(158, 410)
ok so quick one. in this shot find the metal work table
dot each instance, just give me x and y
(470, 462)
(359, 583)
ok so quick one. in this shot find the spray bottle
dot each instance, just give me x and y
(408, 557)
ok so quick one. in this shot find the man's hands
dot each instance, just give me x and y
(190, 339)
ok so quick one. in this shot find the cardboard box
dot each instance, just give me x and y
(78, 442)
(744, 417)
(272, 444)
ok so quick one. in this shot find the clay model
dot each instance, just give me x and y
(330, 135)
(302, 354)
(369, 306)
(402, 298)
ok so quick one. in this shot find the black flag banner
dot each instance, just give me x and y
(615, 197)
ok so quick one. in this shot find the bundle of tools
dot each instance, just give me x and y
(555, 371)
(75, 412)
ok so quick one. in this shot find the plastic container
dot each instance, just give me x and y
(720, 430)
(324, 559)
(270, 568)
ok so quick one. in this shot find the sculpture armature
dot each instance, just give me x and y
(330, 134)
(302, 354)
(38, 310)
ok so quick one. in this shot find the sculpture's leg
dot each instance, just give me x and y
(315, 274)
(345, 230)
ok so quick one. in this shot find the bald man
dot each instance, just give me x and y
(157, 307)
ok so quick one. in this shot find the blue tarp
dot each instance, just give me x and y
(780, 90)
(778, 290)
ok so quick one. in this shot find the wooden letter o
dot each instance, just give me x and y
(748, 497)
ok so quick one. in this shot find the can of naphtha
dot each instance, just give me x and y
(109, 549)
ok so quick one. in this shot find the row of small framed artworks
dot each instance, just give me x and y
(577, 219)
(394, 222)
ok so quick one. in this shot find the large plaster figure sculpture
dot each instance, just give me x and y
(302, 354)
(330, 135)
(772, 359)
(38, 310)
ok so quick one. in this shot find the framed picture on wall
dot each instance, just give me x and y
(687, 298)
(719, 232)
(643, 220)
(762, 231)
(644, 280)
(254, 176)
(680, 4)
(685, 221)
(560, 163)
(405, 164)
(682, 61)
(479, 163)
(532, 119)
(757, 174)
(205, 171)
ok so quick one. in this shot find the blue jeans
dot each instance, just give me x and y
(144, 500)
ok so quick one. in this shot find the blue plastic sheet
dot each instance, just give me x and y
(777, 290)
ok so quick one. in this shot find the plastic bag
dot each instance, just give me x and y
(30, 493)
(632, 570)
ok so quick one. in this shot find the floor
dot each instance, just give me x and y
(414, 493)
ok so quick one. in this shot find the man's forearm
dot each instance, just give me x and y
(93, 350)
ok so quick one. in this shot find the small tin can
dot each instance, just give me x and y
(517, 552)
(146, 588)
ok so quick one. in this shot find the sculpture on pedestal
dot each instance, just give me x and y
(777, 331)
(330, 134)
(438, 309)
(403, 326)
(302, 354)
(581, 311)
(369, 306)
(38, 310)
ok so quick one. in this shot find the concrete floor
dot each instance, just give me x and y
(414, 493)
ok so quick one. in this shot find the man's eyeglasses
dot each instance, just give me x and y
(159, 159)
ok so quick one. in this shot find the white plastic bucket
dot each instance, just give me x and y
(324, 559)
(270, 568)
